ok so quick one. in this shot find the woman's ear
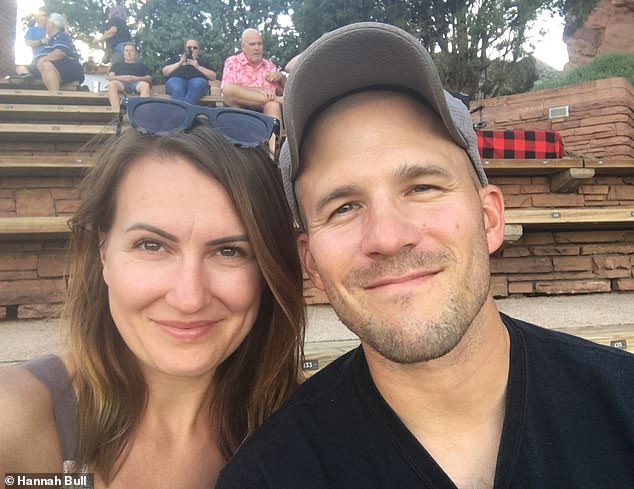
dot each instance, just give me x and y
(103, 244)
(308, 261)
(493, 210)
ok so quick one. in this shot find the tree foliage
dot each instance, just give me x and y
(478, 44)
(160, 27)
(606, 65)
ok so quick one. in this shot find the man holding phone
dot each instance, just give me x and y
(188, 76)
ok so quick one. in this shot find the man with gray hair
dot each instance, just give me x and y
(398, 221)
(58, 60)
(251, 81)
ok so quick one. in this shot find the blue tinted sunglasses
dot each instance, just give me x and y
(162, 116)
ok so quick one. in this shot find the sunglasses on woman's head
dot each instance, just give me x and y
(162, 117)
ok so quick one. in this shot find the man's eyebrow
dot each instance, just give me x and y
(409, 172)
(169, 236)
(337, 193)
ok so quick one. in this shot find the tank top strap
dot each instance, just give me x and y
(50, 370)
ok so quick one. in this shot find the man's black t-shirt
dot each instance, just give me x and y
(135, 69)
(122, 35)
(569, 423)
(188, 71)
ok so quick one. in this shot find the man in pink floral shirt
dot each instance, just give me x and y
(250, 81)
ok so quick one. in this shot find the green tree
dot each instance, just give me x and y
(160, 27)
(478, 44)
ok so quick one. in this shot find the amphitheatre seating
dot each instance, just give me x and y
(610, 166)
(49, 227)
(565, 174)
(43, 139)
(34, 119)
(517, 220)
(44, 164)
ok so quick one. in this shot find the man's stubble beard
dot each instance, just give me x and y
(405, 334)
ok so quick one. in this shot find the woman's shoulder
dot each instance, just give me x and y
(28, 435)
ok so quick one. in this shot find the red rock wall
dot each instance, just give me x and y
(609, 28)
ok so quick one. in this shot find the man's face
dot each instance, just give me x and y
(51, 28)
(192, 46)
(41, 17)
(129, 53)
(398, 231)
(253, 47)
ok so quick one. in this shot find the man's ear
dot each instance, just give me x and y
(493, 210)
(307, 260)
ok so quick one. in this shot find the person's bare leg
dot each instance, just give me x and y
(274, 109)
(143, 88)
(114, 88)
(50, 75)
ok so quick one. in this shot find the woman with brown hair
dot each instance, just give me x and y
(184, 308)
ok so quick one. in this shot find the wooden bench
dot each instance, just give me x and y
(34, 227)
(610, 166)
(56, 113)
(45, 164)
(66, 97)
(566, 218)
(617, 336)
(565, 174)
(24, 132)
(22, 96)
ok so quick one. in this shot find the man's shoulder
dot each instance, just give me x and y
(238, 58)
(555, 359)
(320, 391)
(290, 443)
(322, 388)
(62, 37)
(268, 64)
(579, 347)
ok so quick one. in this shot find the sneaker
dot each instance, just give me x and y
(19, 78)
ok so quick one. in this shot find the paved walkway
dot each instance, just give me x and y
(21, 340)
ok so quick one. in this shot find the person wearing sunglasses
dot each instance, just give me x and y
(188, 75)
(184, 308)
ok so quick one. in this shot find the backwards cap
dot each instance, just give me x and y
(365, 56)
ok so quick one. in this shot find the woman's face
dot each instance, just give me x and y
(183, 283)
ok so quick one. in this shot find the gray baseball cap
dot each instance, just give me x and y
(358, 57)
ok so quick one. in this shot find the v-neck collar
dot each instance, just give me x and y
(417, 456)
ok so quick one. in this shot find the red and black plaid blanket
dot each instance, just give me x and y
(520, 144)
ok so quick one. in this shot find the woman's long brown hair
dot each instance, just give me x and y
(250, 384)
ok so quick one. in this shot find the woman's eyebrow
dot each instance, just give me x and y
(171, 237)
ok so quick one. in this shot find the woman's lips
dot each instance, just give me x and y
(186, 331)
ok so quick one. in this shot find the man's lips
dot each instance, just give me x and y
(406, 279)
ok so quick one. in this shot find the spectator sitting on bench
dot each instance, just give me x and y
(58, 62)
(188, 75)
(128, 76)
(35, 37)
(251, 81)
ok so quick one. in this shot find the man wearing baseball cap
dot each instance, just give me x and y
(398, 221)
